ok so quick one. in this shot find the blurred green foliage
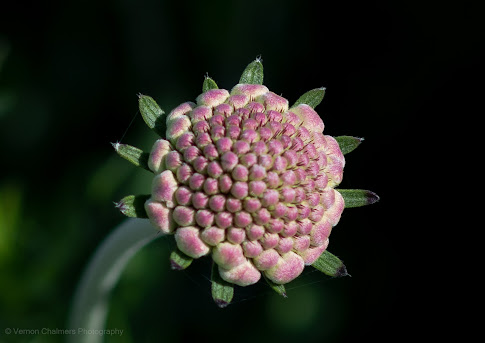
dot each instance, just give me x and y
(69, 75)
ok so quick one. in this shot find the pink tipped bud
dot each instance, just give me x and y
(251, 204)
(252, 248)
(311, 119)
(189, 242)
(240, 173)
(200, 113)
(173, 160)
(217, 203)
(211, 186)
(191, 153)
(243, 275)
(204, 218)
(225, 183)
(228, 255)
(290, 229)
(240, 190)
(267, 259)
(177, 127)
(311, 254)
(156, 160)
(301, 243)
(238, 100)
(160, 216)
(270, 240)
(224, 219)
(236, 235)
(253, 91)
(275, 102)
(164, 186)
(262, 216)
(233, 205)
(275, 225)
(213, 97)
(305, 227)
(183, 195)
(242, 219)
(320, 232)
(257, 172)
(184, 216)
(180, 110)
(289, 267)
(333, 214)
(229, 160)
(285, 245)
(254, 232)
(200, 200)
(214, 169)
(257, 188)
(196, 181)
(213, 235)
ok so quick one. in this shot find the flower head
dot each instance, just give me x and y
(246, 178)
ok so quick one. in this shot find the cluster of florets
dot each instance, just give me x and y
(250, 181)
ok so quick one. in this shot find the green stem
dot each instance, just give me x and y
(90, 305)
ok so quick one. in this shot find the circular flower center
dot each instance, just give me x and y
(244, 177)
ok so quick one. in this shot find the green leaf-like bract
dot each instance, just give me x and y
(152, 114)
(330, 264)
(280, 289)
(312, 98)
(348, 143)
(253, 74)
(358, 197)
(179, 261)
(208, 84)
(136, 156)
(222, 291)
(133, 206)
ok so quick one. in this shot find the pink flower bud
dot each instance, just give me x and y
(213, 235)
(252, 91)
(213, 97)
(189, 242)
(160, 216)
(243, 275)
(267, 259)
(228, 255)
(289, 267)
(244, 178)
(311, 119)
(164, 186)
(159, 150)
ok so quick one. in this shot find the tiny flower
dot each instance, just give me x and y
(250, 180)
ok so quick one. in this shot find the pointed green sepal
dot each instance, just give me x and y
(280, 289)
(358, 197)
(253, 74)
(133, 206)
(132, 154)
(152, 114)
(222, 291)
(208, 84)
(312, 98)
(348, 143)
(179, 261)
(330, 264)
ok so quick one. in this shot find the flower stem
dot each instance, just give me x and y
(90, 305)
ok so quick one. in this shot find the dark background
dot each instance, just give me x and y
(69, 75)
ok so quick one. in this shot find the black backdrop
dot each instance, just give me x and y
(396, 73)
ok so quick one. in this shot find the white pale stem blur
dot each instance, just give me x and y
(90, 305)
